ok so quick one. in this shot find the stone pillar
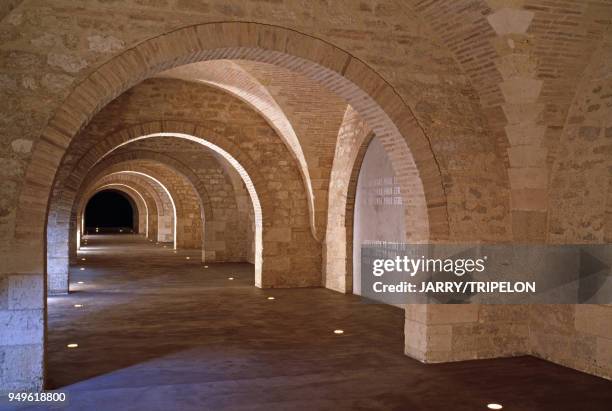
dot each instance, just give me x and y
(21, 323)
(57, 262)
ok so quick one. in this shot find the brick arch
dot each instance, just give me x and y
(62, 229)
(218, 145)
(303, 269)
(280, 232)
(123, 136)
(211, 241)
(231, 78)
(166, 160)
(383, 109)
(184, 197)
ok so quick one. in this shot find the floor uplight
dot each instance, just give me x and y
(338, 331)
(205, 266)
(271, 298)
(494, 406)
(82, 269)
(83, 259)
(78, 305)
(80, 282)
(187, 258)
(72, 345)
(230, 278)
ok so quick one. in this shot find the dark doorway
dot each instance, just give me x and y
(111, 211)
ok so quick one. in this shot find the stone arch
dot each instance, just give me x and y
(364, 89)
(380, 105)
(68, 194)
(248, 182)
(232, 79)
(180, 190)
(166, 160)
(279, 235)
(211, 241)
(64, 227)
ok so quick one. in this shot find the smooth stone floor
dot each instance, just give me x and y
(160, 332)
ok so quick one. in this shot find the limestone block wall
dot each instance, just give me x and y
(21, 312)
(581, 336)
(433, 333)
(189, 215)
(315, 114)
(229, 241)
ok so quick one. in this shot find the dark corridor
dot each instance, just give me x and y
(110, 211)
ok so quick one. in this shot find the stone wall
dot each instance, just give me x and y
(581, 336)
(473, 96)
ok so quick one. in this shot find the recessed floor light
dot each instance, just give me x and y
(494, 406)
(205, 266)
(271, 298)
(72, 345)
(80, 282)
(83, 259)
(78, 305)
(338, 331)
(230, 278)
(187, 258)
(82, 269)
